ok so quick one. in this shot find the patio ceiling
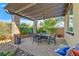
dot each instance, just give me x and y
(37, 11)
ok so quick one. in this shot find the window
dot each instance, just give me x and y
(70, 21)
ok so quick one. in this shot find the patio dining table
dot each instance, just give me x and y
(47, 37)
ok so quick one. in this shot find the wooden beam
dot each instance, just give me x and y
(68, 7)
(20, 15)
(48, 13)
(26, 7)
(36, 13)
(28, 17)
(45, 8)
(51, 16)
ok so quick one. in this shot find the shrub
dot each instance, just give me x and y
(25, 29)
(41, 30)
(11, 53)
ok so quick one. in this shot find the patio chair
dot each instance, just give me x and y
(35, 37)
(52, 39)
(17, 39)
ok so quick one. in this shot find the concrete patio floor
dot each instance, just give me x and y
(41, 48)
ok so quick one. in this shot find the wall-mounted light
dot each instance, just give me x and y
(14, 8)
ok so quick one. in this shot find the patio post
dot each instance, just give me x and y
(16, 29)
(34, 27)
(76, 22)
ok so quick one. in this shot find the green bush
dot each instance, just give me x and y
(25, 29)
(12, 53)
(51, 30)
(48, 26)
(41, 30)
(1, 53)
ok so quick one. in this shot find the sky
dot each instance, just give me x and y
(5, 17)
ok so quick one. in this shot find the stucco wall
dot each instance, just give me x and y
(70, 39)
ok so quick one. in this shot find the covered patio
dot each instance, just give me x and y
(34, 12)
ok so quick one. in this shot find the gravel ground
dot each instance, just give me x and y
(8, 47)
(20, 52)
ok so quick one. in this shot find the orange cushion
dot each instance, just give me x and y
(75, 52)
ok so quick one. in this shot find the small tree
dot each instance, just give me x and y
(49, 25)
(25, 29)
(41, 30)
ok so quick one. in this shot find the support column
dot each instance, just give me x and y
(34, 27)
(76, 22)
(16, 28)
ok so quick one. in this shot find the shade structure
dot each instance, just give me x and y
(37, 11)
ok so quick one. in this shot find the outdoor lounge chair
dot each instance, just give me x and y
(65, 50)
(62, 50)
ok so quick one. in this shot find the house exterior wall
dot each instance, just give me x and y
(73, 39)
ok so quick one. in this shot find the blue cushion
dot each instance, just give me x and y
(62, 51)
